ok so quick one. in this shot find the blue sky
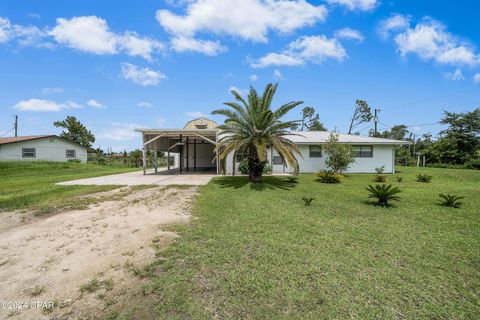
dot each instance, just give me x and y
(121, 65)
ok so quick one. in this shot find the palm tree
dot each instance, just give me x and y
(251, 127)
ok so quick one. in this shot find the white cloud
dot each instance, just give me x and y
(397, 22)
(88, 33)
(52, 90)
(349, 34)
(141, 76)
(161, 122)
(94, 103)
(315, 49)
(238, 90)
(430, 41)
(120, 131)
(210, 48)
(92, 34)
(457, 75)
(476, 78)
(195, 114)
(277, 59)
(250, 20)
(363, 5)
(144, 105)
(253, 78)
(277, 75)
(24, 35)
(40, 105)
(4, 30)
(34, 15)
(135, 45)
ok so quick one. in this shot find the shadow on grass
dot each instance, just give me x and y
(268, 183)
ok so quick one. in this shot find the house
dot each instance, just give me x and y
(195, 144)
(43, 148)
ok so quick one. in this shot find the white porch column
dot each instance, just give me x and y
(144, 155)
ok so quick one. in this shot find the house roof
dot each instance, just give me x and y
(299, 137)
(30, 138)
(309, 137)
(22, 138)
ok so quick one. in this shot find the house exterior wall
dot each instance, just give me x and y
(383, 155)
(46, 149)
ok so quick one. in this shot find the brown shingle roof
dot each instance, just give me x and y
(22, 138)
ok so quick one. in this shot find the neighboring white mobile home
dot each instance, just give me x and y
(43, 148)
(196, 146)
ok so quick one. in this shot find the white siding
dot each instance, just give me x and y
(46, 149)
(383, 155)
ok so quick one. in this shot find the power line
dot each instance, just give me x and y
(7, 132)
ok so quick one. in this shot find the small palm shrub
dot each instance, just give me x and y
(399, 179)
(380, 178)
(307, 201)
(380, 170)
(423, 177)
(383, 193)
(329, 176)
(450, 200)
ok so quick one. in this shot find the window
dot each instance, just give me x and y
(71, 153)
(28, 152)
(362, 151)
(277, 160)
(201, 126)
(315, 151)
(239, 156)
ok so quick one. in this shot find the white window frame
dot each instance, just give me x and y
(361, 153)
(74, 153)
(310, 151)
(281, 163)
(34, 153)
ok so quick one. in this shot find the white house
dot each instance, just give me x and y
(46, 148)
(196, 146)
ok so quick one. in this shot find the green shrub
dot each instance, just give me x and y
(473, 164)
(383, 193)
(243, 167)
(329, 176)
(423, 177)
(380, 178)
(307, 201)
(399, 179)
(450, 200)
(380, 170)
(74, 160)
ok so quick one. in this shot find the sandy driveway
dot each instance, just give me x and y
(84, 261)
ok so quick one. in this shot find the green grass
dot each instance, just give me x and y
(257, 252)
(32, 184)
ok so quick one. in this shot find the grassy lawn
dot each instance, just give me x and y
(256, 252)
(32, 184)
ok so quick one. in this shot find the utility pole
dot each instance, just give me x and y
(375, 119)
(15, 125)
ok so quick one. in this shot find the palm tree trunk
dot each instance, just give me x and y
(255, 167)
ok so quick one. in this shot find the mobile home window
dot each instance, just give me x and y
(362, 151)
(277, 160)
(71, 154)
(239, 156)
(28, 152)
(315, 151)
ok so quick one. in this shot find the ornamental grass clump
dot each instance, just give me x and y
(329, 176)
(450, 200)
(383, 193)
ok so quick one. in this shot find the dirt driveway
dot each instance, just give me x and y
(84, 262)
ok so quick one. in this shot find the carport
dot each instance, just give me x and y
(195, 147)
